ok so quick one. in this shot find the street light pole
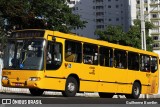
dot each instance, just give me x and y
(143, 33)
(143, 36)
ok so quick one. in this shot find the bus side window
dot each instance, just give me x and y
(133, 61)
(73, 51)
(90, 54)
(120, 59)
(154, 64)
(53, 56)
(145, 63)
(106, 56)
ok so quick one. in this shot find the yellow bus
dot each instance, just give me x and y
(42, 60)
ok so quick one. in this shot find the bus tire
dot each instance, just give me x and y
(36, 92)
(105, 95)
(71, 87)
(136, 91)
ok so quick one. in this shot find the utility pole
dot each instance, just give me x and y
(143, 34)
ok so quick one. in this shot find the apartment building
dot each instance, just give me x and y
(151, 11)
(101, 13)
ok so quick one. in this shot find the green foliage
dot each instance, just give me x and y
(108, 33)
(39, 14)
(115, 34)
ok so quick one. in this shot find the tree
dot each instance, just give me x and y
(115, 34)
(108, 33)
(43, 14)
(37, 14)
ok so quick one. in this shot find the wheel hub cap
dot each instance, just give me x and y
(71, 87)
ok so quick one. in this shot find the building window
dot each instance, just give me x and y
(154, 16)
(99, 13)
(100, 26)
(145, 1)
(155, 45)
(117, 19)
(156, 23)
(155, 37)
(110, 20)
(155, 30)
(72, 2)
(109, 6)
(99, 20)
(117, 6)
(99, 7)
(99, 1)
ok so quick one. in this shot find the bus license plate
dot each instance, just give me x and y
(18, 84)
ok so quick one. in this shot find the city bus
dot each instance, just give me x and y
(45, 60)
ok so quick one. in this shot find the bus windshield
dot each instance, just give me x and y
(24, 54)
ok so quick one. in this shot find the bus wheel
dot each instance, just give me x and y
(71, 87)
(105, 95)
(36, 92)
(136, 91)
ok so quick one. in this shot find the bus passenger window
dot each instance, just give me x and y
(106, 56)
(133, 61)
(145, 63)
(73, 51)
(90, 54)
(53, 56)
(120, 59)
(154, 64)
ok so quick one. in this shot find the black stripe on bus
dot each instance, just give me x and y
(55, 77)
(98, 81)
(105, 81)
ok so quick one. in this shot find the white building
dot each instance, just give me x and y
(101, 13)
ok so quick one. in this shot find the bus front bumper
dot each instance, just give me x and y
(20, 83)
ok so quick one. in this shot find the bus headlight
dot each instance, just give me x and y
(4, 78)
(34, 79)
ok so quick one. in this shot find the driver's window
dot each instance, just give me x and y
(53, 55)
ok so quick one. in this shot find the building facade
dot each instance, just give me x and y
(151, 13)
(101, 13)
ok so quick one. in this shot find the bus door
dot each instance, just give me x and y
(154, 76)
(149, 74)
(144, 74)
(53, 62)
(89, 68)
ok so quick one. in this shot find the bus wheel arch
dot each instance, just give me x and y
(136, 90)
(71, 86)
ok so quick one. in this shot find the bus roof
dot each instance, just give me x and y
(89, 40)
(100, 42)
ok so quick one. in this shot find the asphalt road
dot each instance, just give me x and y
(58, 99)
